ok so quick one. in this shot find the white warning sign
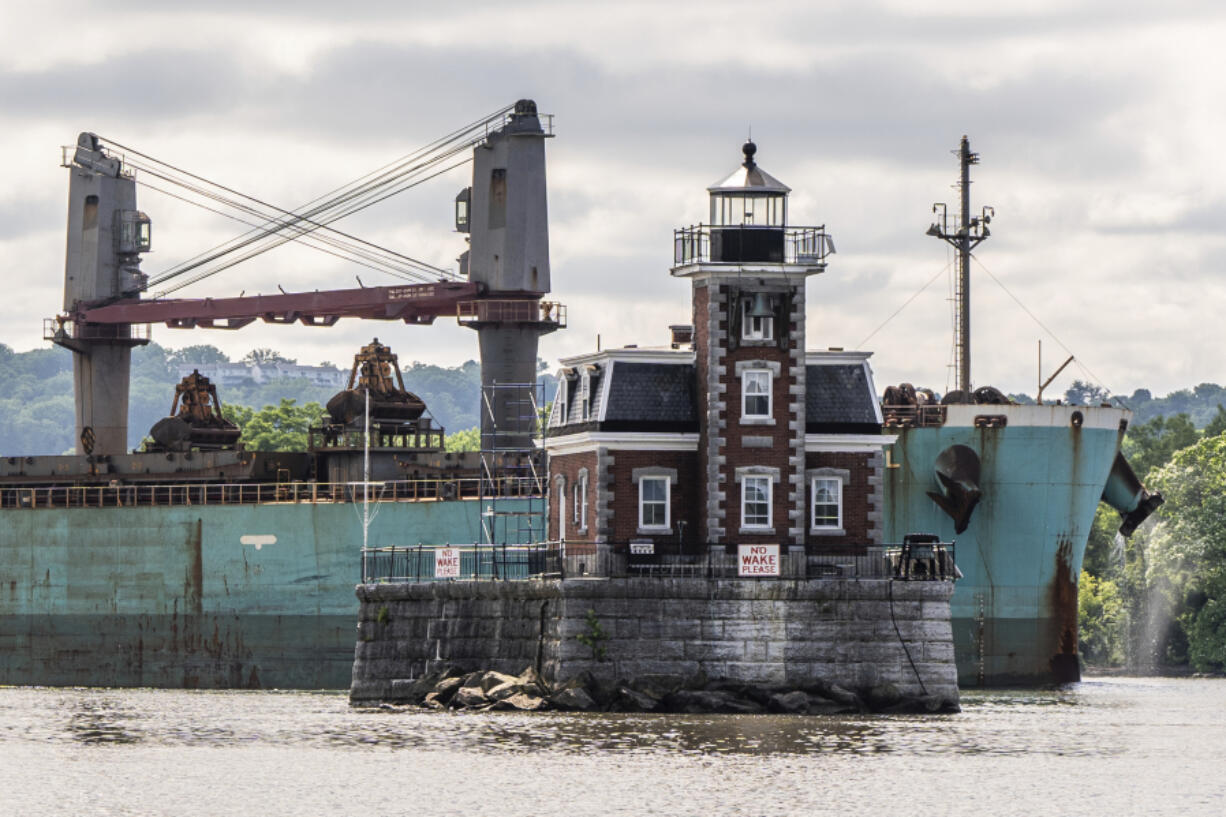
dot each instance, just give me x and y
(447, 563)
(757, 560)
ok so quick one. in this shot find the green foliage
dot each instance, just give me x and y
(275, 428)
(1207, 630)
(1151, 445)
(201, 353)
(384, 615)
(1217, 424)
(467, 440)
(37, 401)
(266, 355)
(1101, 557)
(1101, 615)
(595, 637)
(1199, 403)
(1177, 567)
(1085, 394)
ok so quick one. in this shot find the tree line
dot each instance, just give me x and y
(1157, 602)
(36, 397)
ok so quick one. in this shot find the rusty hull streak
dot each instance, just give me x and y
(1065, 664)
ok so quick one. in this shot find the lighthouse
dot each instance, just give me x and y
(748, 270)
(732, 435)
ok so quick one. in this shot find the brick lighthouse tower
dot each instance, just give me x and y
(748, 268)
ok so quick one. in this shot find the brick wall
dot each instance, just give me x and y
(568, 466)
(778, 446)
(685, 496)
(708, 351)
(860, 500)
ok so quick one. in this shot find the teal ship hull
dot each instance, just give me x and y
(172, 596)
(1043, 471)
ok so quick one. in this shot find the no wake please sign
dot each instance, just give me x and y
(757, 560)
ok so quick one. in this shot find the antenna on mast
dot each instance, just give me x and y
(966, 234)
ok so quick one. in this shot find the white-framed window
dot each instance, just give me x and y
(560, 399)
(585, 389)
(653, 502)
(560, 493)
(827, 502)
(756, 393)
(755, 502)
(583, 502)
(579, 503)
(755, 328)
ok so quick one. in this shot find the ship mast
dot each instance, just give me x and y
(965, 236)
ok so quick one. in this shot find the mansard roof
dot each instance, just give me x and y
(645, 390)
(655, 390)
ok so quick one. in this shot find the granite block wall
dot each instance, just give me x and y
(856, 633)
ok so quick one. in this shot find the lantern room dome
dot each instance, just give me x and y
(749, 178)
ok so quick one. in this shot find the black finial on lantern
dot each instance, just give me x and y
(749, 149)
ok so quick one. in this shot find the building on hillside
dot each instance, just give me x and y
(221, 374)
(235, 374)
(318, 375)
(734, 433)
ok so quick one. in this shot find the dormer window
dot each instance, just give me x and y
(585, 394)
(560, 398)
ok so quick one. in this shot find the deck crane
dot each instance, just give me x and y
(503, 275)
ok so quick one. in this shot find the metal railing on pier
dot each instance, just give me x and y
(429, 563)
(921, 560)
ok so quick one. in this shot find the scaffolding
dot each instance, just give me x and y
(512, 454)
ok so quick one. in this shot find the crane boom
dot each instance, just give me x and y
(411, 303)
(507, 267)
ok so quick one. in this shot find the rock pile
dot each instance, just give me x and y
(455, 688)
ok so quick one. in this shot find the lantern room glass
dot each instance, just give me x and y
(748, 210)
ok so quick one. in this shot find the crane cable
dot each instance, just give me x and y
(368, 263)
(330, 235)
(345, 200)
(387, 261)
(378, 177)
(278, 241)
(1042, 325)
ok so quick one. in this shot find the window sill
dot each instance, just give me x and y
(827, 531)
(758, 341)
(757, 421)
(756, 531)
(653, 531)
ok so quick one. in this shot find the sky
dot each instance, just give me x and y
(1099, 126)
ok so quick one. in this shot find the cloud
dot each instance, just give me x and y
(1094, 121)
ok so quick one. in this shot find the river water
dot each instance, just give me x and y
(1103, 747)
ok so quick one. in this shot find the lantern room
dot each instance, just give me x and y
(748, 214)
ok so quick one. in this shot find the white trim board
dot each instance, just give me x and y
(848, 442)
(621, 441)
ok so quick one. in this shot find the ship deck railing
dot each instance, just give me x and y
(262, 493)
(929, 561)
(908, 416)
